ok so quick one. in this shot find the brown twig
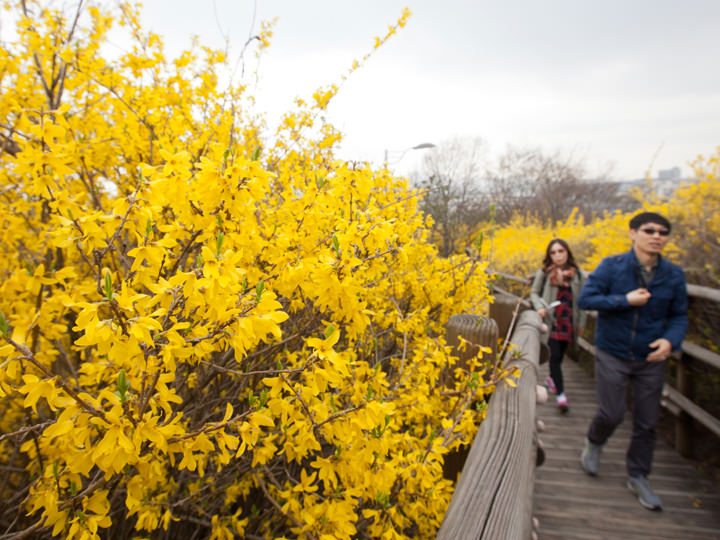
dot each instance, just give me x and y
(28, 355)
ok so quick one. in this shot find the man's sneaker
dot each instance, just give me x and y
(562, 403)
(551, 385)
(590, 457)
(645, 495)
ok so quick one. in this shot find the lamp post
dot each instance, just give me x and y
(402, 153)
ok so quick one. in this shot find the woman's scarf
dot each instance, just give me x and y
(560, 276)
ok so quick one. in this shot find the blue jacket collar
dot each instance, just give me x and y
(635, 262)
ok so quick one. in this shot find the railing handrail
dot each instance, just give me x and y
(493, 497)
(698, 352)
(676, 400)
(706, 293)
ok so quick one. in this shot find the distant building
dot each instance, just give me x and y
(664, 185)
(670, 174)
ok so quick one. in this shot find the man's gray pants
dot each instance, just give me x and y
(646, 379)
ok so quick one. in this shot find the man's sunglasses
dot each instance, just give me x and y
(650, 231)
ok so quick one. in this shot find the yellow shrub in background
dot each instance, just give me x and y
(206, 331)
(519, 247)
(695, 207)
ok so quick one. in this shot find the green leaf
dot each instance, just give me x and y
(108, 287)
(4, 326)
(259, 290)
(336, 243)
(479, 241)
(256, 154)
(219, 241)
(329, 330)
(123, 386)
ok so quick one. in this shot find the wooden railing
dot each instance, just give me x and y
(493, 496)
(678, 400)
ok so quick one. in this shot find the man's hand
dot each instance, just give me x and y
(542, 312)
(662, 351)
(638, 297)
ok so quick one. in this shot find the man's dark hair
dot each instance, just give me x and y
(649, 217)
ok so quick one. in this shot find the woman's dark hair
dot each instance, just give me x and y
(547, 262)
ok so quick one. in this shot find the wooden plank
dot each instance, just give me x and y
(707, 293)
(675, 405)
(696, 291)
(569, 504)
(696, 351)
(509, 277)
(698, 413)
(609, 527)
(500, 290)
(586, 345)
(572, 505)
(701, 353)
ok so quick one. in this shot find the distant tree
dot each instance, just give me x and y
(548, 186)
(452, 174)
(461, 185)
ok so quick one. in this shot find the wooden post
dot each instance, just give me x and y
(493, 498)
(683, 421)
(475, 329)
(479, 332)
(502, 311)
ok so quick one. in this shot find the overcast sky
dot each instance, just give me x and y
(616, 82)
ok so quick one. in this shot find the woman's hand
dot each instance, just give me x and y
(542, 312)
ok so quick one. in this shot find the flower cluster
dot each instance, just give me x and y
(204, 330)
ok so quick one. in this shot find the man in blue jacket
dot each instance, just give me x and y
(641, 300)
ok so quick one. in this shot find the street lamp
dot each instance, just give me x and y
(401, 153)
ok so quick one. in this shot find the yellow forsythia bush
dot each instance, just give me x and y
(695, 207)
(519, 247)
(207, 334)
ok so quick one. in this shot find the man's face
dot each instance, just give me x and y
(650, 238)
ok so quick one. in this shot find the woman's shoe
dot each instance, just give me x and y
(551, 385)
(562, 403)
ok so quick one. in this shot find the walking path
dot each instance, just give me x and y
(570, 505)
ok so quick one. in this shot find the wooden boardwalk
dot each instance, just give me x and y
(570, 505)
